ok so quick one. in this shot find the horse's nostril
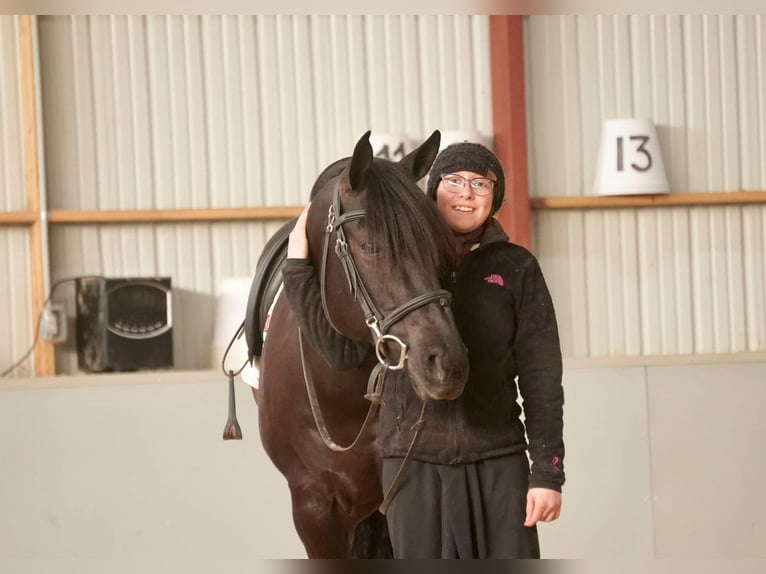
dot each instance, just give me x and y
(435, 365)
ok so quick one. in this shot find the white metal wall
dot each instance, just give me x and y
(15, 290)
(184, 111)
(659, 281)
(12, 193)
(146, 112)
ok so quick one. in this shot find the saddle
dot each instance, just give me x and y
(263, 290)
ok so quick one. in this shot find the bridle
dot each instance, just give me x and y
(378, 325)
(373, 318)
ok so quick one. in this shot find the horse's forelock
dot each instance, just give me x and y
(405, 223)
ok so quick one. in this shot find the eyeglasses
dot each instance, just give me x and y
(454, 183)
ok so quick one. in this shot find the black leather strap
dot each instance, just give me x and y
(268, 277)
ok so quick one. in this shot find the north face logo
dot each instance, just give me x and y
(494, 278)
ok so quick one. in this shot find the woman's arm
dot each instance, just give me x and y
(540, 373)
(301, 286)
(538, 352)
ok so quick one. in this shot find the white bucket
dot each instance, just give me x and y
(629, 159)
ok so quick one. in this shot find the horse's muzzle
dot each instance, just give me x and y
(441, 373)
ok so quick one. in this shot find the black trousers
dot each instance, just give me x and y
(474, 510)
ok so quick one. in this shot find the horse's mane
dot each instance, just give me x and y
(328, 174)
(403, 222)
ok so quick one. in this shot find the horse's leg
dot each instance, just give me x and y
(371, 538)
(317, 520)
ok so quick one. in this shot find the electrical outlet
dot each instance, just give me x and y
(53, 324)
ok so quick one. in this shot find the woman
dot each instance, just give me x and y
(469, 491)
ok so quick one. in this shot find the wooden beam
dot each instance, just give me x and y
(18, 217)
(509, 113)
(45, 357)
(668, 200)
(173, 215)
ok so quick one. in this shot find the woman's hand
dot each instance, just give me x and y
(543, 505)
(297, 243)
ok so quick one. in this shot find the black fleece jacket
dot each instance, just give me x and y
(505, 316)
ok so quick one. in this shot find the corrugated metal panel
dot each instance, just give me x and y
(183, 111)
(12, 193)
(15, 290)
(652, 281)
(15, 300)
(656, 282)
(186, 111)
(701, 79)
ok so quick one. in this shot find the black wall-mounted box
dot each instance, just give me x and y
(124, 324)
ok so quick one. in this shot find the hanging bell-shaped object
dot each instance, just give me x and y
(232, 430)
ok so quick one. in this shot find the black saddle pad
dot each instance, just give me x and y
(268, 278)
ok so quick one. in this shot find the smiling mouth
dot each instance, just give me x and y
(463, 209)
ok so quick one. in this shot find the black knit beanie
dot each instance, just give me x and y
(467, 156)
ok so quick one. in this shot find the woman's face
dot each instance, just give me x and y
(461, 207)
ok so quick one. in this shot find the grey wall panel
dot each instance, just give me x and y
(704, 470)
(185, 496)
(652, 281)
(12, 192)
(662, 462)
(608, 469)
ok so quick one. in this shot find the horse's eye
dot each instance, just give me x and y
(370, 249)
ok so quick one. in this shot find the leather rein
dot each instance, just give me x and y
(378, 325)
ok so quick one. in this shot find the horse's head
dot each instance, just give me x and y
(386, 254)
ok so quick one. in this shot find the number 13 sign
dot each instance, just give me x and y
(629, 159)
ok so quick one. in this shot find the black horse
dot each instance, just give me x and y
(371, 228)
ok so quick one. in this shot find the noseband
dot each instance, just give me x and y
(373, 318)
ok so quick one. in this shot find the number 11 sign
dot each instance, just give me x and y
(629, 159)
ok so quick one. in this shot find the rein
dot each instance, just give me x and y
(378, 325)
(375, 383)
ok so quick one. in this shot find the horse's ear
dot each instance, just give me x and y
(360, 161)
(418, 161)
